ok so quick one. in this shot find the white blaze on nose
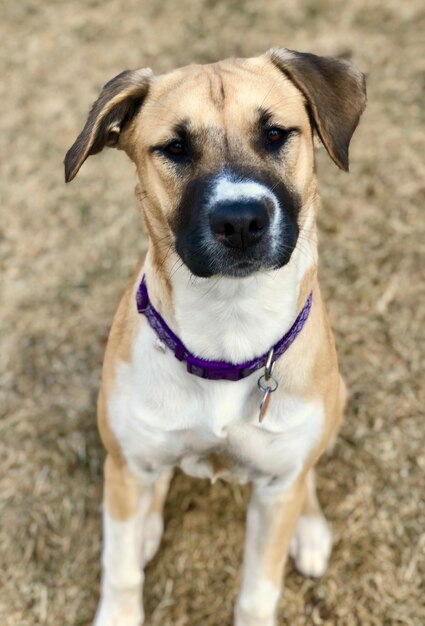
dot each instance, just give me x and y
(226, 189)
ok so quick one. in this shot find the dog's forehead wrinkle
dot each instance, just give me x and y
(216, 87)
(217, 81)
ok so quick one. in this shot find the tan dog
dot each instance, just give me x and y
(228, 191)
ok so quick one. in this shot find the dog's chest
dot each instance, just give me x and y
(163, 416)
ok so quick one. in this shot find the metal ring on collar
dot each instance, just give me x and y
(264, 383)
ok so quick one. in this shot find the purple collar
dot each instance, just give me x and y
(214, 370)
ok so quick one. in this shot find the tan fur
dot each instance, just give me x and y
(158, 191)
(277, 527)
(311, 504)
(120, 341)
(160, 493)
(170, 97)
(125, 324)
(307, 286)
(122, 490)
(137, 112)
(108, 438)
(220, 463)
(280, 520)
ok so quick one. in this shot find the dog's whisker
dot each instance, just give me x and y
(211, 288)
(181, 264)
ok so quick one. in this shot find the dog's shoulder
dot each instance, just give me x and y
(125, 325)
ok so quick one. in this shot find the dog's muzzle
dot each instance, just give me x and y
(235, 226)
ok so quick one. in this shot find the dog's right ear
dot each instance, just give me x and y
(119, 101)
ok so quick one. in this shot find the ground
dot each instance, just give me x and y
(67, 251)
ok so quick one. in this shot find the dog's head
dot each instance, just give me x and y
(224, 152)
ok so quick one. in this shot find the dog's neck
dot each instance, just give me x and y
(234, 319)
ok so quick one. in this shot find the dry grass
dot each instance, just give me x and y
(66, 253)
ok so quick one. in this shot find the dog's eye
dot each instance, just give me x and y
(175, 149)
(274, 135)
(275, 138)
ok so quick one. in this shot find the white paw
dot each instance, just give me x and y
(242, 618)
(311, 545)
(122, 608)
(152, 536)
(256, 604)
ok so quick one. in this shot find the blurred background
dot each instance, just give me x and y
(66, 253)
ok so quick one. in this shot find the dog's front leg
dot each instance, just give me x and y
(271, 520)
(127, 503)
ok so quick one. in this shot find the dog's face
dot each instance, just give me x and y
(225, 164)
(224, 152)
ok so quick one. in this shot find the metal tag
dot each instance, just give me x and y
(264, 404)
(268, 384)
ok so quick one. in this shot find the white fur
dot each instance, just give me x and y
(227, 188)
(152, 536)
(127, 547)
(122, 576)
(119, 608)
(258, 597)
(257, 605)
(182, 421)
(163, 417)
(311, 545)
(238, 319)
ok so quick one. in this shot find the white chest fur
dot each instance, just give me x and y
(238, 319)
(162, 416)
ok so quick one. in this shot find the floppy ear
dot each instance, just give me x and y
(119, 101)
(335, 92)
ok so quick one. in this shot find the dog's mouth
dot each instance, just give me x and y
(212, 258)
(242, 269)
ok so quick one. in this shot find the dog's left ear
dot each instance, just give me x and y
(117, 104)
(335, 92)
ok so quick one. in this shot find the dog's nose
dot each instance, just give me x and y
(239, 224)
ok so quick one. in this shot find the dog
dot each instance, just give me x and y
(221, 360)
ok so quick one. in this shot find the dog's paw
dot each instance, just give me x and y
(244, 618)
(256, 604)
(124, 609)
(311, 545)
(153, 530)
